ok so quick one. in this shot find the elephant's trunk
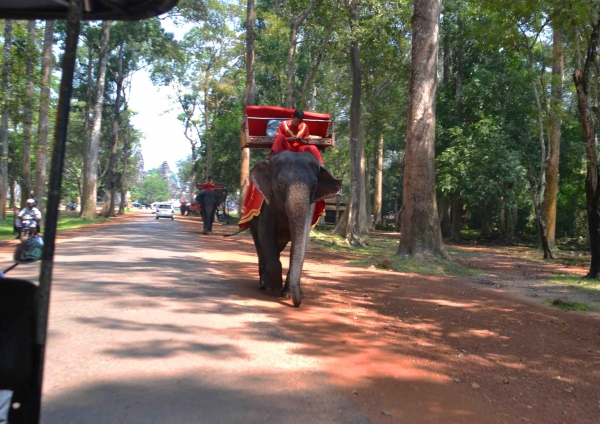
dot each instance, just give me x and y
(299, 211)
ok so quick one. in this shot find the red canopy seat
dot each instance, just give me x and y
(320, 127)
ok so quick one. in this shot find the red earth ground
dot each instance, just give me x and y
(409, 348)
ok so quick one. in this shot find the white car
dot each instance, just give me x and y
(165, 210)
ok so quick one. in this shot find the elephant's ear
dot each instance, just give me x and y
(327, 185)
(261, 177)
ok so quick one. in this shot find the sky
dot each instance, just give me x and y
(156, 118)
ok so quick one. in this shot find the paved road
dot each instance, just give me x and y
(144, 330)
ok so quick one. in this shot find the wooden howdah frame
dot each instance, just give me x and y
(256, 118)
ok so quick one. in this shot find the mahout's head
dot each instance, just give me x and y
(297, 117)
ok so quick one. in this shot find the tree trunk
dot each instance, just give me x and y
(458, 94)
(13, 203)
(378, 182)
(512, 222)
(41, 153)
(291, 70)
(537, 197)
(207, 127)
(486, 221)
(28, 112)
(503, 221)
(105, 211)
(446, 58)
(582, 81)
(342, 222)
(315, 67)
(369, 203)
(444, 215)
(420, 223)
(249, 99)
(550, 195)
(357, 214)
(295, 23)
(91, 150)
(87, 128)
(456, 218)
(123, 203)
(112, 164)
(6, 93)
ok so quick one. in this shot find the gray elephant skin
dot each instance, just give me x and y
(208, 200)
(290, 183)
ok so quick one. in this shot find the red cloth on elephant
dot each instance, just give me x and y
(288, 129)
(253, 203)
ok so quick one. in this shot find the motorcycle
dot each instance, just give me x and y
(26, 233)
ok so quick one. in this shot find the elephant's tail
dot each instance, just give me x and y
(237, 232)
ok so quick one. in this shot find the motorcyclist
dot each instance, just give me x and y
(34, 213)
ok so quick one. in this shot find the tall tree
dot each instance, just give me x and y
(552, 162)
(126, 153)
(112, 163)
(295, 22)
(41, 153)
(582, 78)
(357, 222)
(6, 93)
(28, 112)
(378, 182)
(92, 149)
(420, 222)
(249, 98)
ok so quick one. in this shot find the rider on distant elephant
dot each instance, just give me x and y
(289, 137)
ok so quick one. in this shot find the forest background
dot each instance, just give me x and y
(511, 157)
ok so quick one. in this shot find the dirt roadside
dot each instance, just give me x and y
(408, 348)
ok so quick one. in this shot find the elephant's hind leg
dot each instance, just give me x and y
(261, 259)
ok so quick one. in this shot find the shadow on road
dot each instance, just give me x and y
(423, 349)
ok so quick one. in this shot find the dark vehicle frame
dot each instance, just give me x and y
(24, 315)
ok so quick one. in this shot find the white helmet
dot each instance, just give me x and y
(31, 201)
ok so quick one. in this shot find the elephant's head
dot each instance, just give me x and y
(290, 175)
(292, 183)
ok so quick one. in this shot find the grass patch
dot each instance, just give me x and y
(66, 221)
(6, 227)
(381, 253)
(575, 281)
(470, 234)
(563, 257)
(571, 306)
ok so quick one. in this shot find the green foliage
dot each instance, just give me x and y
(154, 189)
(571, 306)
(491, 53)
(66, 221)
(379, 254)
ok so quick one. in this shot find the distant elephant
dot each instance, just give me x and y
(209, 201)
(290, 183)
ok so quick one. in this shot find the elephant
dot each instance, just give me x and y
(209, 201)
(291, 183)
